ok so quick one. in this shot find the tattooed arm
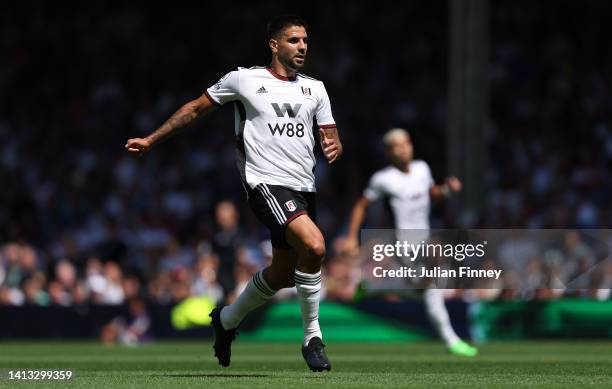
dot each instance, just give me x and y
(184, 116)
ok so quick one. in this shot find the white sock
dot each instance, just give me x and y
(256, 293)
(309, 292)
(438, 315)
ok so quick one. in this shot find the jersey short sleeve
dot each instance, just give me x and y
(226, 89)
(375, 189)
(324, 114)
(428, 173)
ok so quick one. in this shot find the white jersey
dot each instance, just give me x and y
(274, 121)
(407, 193)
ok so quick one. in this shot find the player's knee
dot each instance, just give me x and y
(315, 249)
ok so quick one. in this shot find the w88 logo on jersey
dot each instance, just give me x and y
(287, 129)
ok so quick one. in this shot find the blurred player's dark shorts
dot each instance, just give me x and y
(276, 206)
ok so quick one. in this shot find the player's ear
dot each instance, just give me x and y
(273, 44)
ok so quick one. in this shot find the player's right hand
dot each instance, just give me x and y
(138, 146)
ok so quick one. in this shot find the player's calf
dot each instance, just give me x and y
(278, 278)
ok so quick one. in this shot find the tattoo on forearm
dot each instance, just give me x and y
(185, 115)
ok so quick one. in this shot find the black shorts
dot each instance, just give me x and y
(275, 206)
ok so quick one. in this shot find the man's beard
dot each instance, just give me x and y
(288, 63)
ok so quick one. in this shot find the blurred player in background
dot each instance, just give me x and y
(275, 110)
(408, 186)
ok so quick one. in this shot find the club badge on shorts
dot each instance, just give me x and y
(290, 205)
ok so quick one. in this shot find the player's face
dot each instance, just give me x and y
(291, 47)
(400, 150)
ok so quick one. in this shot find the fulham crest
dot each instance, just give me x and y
(290, 205)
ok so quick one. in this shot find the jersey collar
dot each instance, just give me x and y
(401, 171)
(272, 72)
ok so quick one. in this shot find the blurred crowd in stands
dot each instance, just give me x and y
(83, 222)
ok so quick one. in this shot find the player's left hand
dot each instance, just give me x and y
(330, 143)
(454, 184)
(350, 246)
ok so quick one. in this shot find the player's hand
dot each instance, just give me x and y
(138, 146)
(454, 184)
(332, 148)
(350, 247)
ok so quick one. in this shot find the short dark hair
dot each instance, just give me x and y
(280, 22)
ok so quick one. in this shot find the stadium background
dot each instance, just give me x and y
(88, 232)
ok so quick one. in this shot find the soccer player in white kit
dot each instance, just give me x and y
(275, 110)
(408, 186)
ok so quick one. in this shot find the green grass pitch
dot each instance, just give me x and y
(258, 365)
